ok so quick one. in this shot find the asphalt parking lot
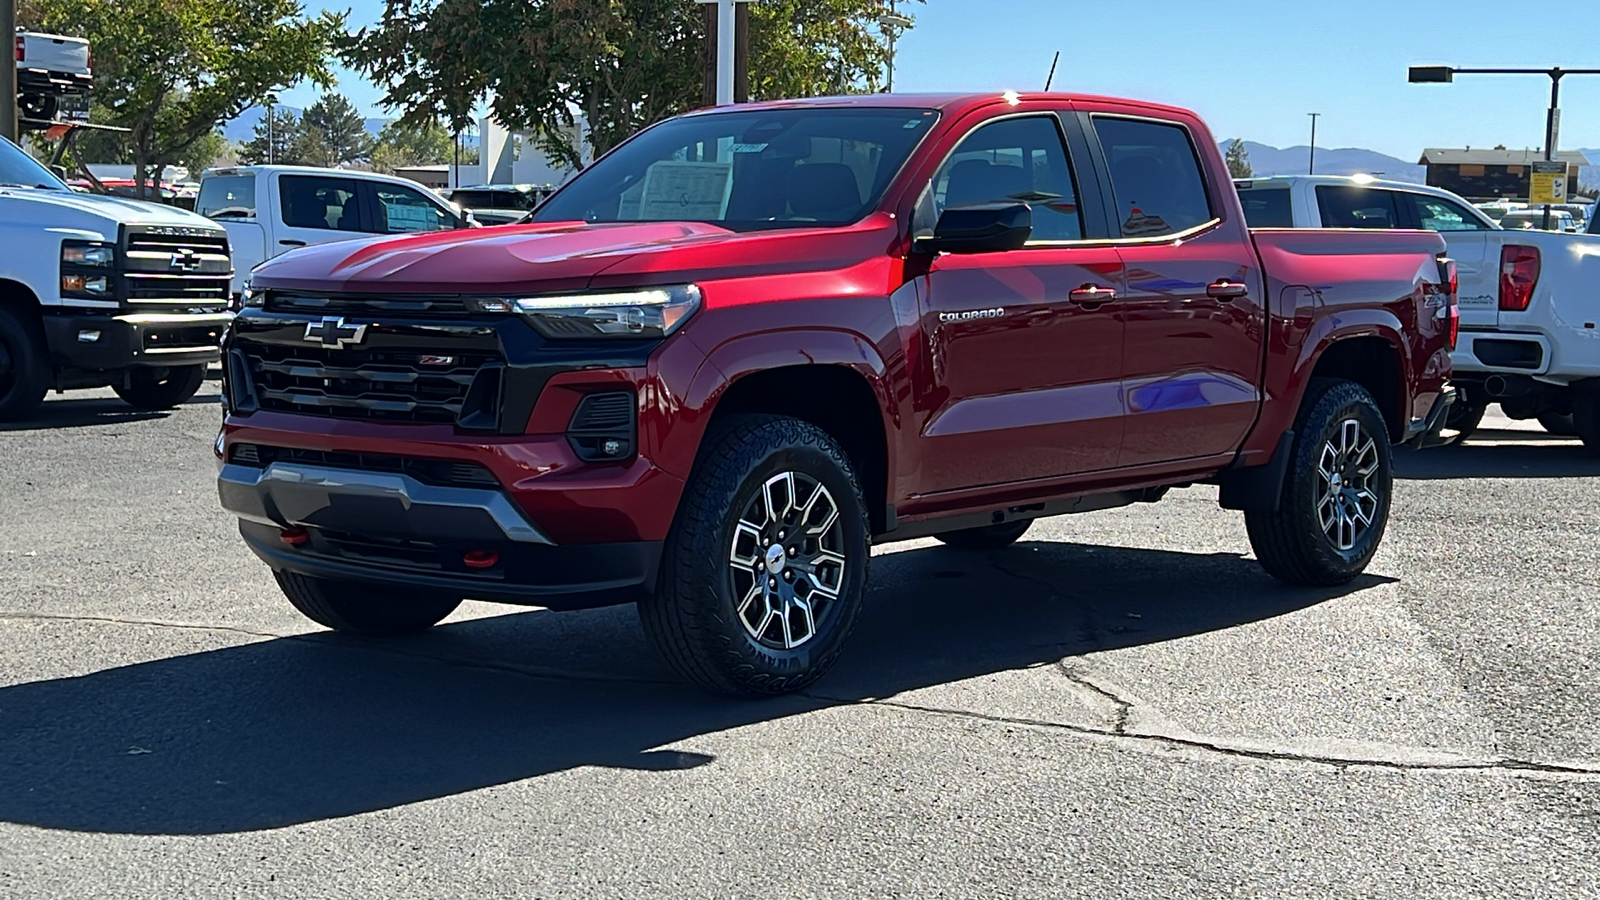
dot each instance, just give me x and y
(1122, 705)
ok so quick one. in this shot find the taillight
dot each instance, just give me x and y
(1519, 272)
(1452, 282)
(22, 49)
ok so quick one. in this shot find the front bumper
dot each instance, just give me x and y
(390, 528)
(100, 343)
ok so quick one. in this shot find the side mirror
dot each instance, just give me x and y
(983, 228)
(468, 220)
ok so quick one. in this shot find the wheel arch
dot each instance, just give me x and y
(16, 296)
(1376, 362)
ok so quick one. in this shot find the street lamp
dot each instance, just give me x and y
(891, 22)
(1552, 122)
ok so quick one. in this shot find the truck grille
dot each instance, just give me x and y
(401, 385)
(176, 269)
(443, 307)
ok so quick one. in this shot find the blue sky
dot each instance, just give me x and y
(1254, 68)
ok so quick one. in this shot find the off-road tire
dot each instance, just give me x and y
(693, 616)
(24, 369)
(1291, 543)
(1462, 420)
(986, 537)
(1586, 421)
(365, 609)
(1558, 424)
(160, 388)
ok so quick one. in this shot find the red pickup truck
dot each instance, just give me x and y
(750, 342)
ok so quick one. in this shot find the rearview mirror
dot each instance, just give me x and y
(983, 228)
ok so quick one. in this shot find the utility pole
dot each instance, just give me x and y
(726, 60)
(1312, 168)
(270, 99)
(8, 77)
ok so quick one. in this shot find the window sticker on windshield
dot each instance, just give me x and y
(747, 148)
(695, 191)
(913, 123)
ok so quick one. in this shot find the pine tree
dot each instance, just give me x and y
(1239, 160)
(334, 133)
(286, 142)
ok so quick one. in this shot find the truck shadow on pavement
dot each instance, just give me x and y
(80, 413)
(1515, 454)
(293, 730)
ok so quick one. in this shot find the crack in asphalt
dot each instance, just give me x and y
(1118, 731)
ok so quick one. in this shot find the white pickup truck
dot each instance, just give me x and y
(1529, 300)
(50, 67)
(268, 210)
(103, 292)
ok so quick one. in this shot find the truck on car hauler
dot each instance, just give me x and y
(752, 341)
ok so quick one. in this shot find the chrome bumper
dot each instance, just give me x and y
(370, 503)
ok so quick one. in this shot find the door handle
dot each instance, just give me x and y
(1092, 295)
(1225, 290)
(289, 243)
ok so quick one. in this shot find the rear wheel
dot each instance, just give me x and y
(357, 608)
(1559, 424)
(986, 537)
(24, 374)
(160, 388)
(1462, 419)
(765, 568)
(1335, 503)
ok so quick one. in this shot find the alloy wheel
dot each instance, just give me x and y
(1347, 500)
(787, 560)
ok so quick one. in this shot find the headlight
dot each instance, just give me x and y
(86, 253)
(646, 313)
(252, 297)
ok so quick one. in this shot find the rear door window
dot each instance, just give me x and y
(1020, 160)
(314, 201)
(1357, 207)
(1439, 214)
(1267, 207)
(402, 210)
(1155, 175)
(227, 197)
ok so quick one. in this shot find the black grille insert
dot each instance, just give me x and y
(364, 383)
(363, 304)
(438, 472)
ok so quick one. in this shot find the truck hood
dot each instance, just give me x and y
(69, 209)
(561, 256)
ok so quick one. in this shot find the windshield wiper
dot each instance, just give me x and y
(43, 187)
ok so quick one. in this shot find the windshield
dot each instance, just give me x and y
(748, 170)
(21, 170)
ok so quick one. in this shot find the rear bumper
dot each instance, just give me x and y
(100, 343)
(1506, 352)
(1427, 434)
(389, 528)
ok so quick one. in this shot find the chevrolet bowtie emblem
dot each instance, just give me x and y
(184, 260)
(333, 332)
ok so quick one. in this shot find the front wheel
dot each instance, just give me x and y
(1335, 502)
(24, 371)
(157, 388)
(357, 608)
(764, 570)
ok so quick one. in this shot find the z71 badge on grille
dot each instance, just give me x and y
(333, 332)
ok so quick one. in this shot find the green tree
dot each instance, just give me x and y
(333, 133)
(204, 153)
(172, 71)
(404, 143)
(279, 143)
(1238, 159)
(620, 65)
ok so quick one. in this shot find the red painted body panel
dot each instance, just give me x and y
(1048, 400)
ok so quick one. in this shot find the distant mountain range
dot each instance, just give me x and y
(1265, 161)
(244, 128)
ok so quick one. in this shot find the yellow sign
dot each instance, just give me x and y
(1547, 183)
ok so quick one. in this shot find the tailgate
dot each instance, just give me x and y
(1477, 258)
(55, 53)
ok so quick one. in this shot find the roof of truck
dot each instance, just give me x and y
(945, 102)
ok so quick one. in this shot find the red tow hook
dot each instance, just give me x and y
(294, 537)
(480, 559)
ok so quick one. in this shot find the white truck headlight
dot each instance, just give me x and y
(88, 254)
(644, 313)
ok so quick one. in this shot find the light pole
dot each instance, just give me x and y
(1311, 169)
(1552, 120)
(271, 99)
(891, 22)
(8, 74)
